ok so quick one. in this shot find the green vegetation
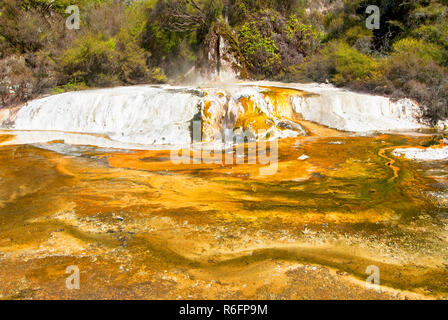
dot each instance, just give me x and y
(124, 42)
(272, 43)
(406, 57)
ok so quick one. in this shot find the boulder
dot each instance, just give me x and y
(221, 58)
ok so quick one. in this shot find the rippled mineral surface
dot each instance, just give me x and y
(138, 226)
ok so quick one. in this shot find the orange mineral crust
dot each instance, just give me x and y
(138, 225)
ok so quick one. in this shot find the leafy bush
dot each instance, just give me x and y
(159, 76)
(413, 72)
(89, 57)
(352, 66)
(271, 43)
(18, 28)
(426, 51)
(259, 50)
(343, 65)
(100, 61)
(108, 51)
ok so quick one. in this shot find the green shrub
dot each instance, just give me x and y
(159, 76)
(426, 51)
(70, 86)
(355, 33)
(430, 13)
(89, 56)
(259, 50)
(414, 74)
(436, 34)
(272, 44)
(342, 65)
(351, 65)
(100, 61)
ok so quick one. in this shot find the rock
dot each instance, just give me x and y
(428, 154)
(442, 125)
(286, 124)
(356, 112)
(306, 231)
(222, 57)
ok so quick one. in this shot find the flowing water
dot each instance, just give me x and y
(87, 179)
